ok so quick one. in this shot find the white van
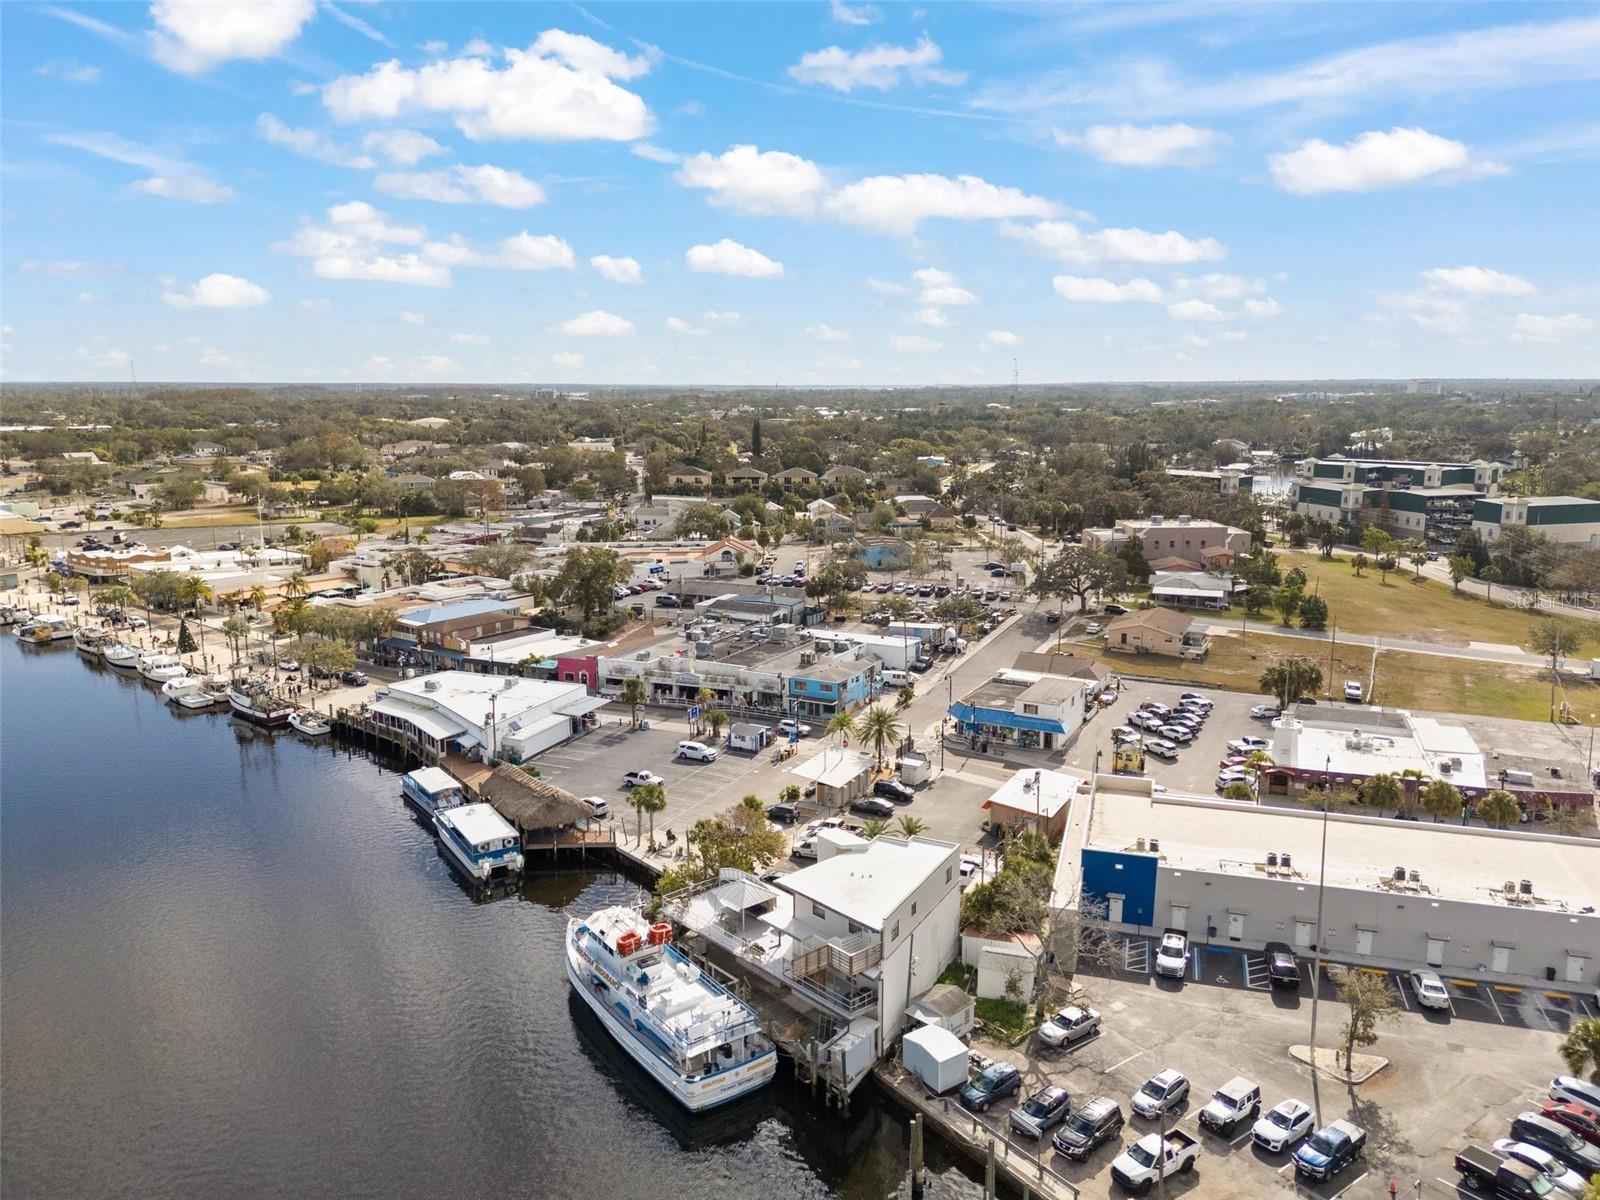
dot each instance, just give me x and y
(895, 679)
(599, 808)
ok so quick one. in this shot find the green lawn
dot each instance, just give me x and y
(1004, 1020)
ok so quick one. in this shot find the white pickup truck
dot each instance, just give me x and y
(1137, 1167)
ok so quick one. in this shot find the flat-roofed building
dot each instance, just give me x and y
(1033, 799)
(463, 712)
(1568, 519)
(1025, 709)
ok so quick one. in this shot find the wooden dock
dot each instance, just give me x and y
(1020, 1164)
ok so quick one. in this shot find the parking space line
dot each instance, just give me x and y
(1349, 1185)
(1123, 1063)
(1400, 987)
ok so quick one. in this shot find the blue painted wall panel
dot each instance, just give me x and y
(1132, 876)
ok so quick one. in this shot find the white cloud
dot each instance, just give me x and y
(1374, 161)
(308, 143)
(1216, 286)
(567, 359)
(756, 181)
(403, 147)
(412, 317)
(470, 339)
(437, 364)
(655, 154)
(1478, 281)
(1082, 290)
(316, 305)
(211, 356)
(933, 277)
(65, 268)
(1065, 241)
(912, 343)
(880, 66)
(562, 88)
(531, 252)
(1195, 340)
(1000, 337)
(351, 21)
(462, 184)
(598, 323)
(105, 359)
(728, 257)
(1195, 310)
(1263, 308)
(171, 178)
(478, 48)
(219, 291)
(721, 316)
(70, 72)
(886, 287)
(932, 317)
(947, 295)
(1233, 335)
(897, 204)
(679, 325)
(1144, 145)
(193, 36)
(617, 270)
(854, 14)
(1529, 327)
(826, 333)
(191, 188)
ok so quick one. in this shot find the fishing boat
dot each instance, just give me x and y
(10, 615)
(430, 790)
(41, 631)
(697, 1040)
(122, 655)
(188, 691)
(158, 667)
(254, 700)
(479, 842)
(310, 723)
(92, 642)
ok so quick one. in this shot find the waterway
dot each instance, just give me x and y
(232, 964)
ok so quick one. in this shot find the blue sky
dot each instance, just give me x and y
(798, 193)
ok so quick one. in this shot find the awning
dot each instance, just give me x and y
(425, 720)
(583, 707)
(1001, 719)
(397, 643)
(737, 895)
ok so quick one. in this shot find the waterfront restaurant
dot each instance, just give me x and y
(461, 712)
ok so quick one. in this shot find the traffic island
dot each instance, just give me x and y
(1361, 1067)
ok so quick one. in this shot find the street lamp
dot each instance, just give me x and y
(1316, 946)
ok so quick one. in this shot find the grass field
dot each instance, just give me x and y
(1421, 610)
(1424, 682)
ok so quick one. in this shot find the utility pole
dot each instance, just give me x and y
(1316, 945)
(1333, 640)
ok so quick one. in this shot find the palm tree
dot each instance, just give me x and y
(1580, 1049)
(904, 697)
(236, 629)
(647, 798)
(841, 723)
(717, 719)
(911, 826)
(1441, 799)
(296, 584)
(879, 729)
(1490, 575)
(1499, 808)
(633, 696)
(258, 598)
(874, 827)
(703, 699)
(1382, 792)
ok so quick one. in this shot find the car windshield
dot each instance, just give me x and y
(1142, 1156)
(1225, 1101)
(1154, 1089)
(990, 1079)
(1280, 1118)
(1039, 1105)
(1062, 1019)
(1080, 1123)
(1322, 1143)
(1538, 1185)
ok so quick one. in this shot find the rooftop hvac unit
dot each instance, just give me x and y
(1510, 887)
(1399, 874)
(1139, 845)
(1285, 861)
(1444, 768)
(1527, 887)
(430, 685)
(1272, 858)
(1416, 875)
(511, 682)
(1155, 845)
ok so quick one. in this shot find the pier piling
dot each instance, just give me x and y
(988, 1173)
(917, 1181)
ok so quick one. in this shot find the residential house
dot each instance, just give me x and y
(793, 477)
(683, 475)
(1191, 589)
(841, 477)
(1157, 631)
(207, 449)
(82, 458)
(413, 482)
(747, 478)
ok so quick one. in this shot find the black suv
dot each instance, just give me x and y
(353, 678)
(1096, 1123)
(1116, 610)
(784, 814)
(893, 789)
(1282, 969)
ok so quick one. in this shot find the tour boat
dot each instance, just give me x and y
(158, 668)
(10, 615)
(91, 641)
(479, 841)
(121, 654)
(700, 1042)
(43, 630)
(254, 700)
(189, 691)
(430, 790)
(310, 723)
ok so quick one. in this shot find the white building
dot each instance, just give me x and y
(1346, 745)
(854, 938)
(462, 712)
(1479, 904)
(1568, 519)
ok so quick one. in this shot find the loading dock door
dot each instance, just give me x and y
(1435, 952)
(1302, 933)
(1363, 941)
(1235, 926)
(1500, 959)
(1576, 963)
(1180, 917)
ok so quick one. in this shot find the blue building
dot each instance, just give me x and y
(829, 687)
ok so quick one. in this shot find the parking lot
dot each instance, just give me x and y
(1452, 1080)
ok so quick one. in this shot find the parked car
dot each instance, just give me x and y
(1162, 748)
(1234, 775)
(1539, 1130)
(1068, 1025)
(871, 806)
(789, 725)
(806, 847)
(1482, 1170)
(1580, 1118)
(697, 752)
(1125, 735)
(1116, 610)
(599, 807)
(1177, 733)
(1266, 712)
(1139, 1166)
(1330, 1150)
(1161, 1093)
(1562, 1177)
(784, 814)
(1248, 745)
(1353, 692)
(1283, 969)
(289, 664)
(1569, 1089)
(353, 678)
(994, 1082)
(1155, 706)
(1430, 990)
(1283, 1126)
(1172, 954)
(1094, 628)
(1236, 1101)
(1095, 1123)
(640, 779)
(667, 600)
(1041, 1112)
(893, 789)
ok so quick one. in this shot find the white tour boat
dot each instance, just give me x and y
(255, 701)
(310, 723)
(122, 654)
(92, 642)
(479, 842)
(158, 668)
(188, 691)
(695, 1038)
(43, 630)
(429, 790)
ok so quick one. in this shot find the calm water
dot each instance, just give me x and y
(234, 965)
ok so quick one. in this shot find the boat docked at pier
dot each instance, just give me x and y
(122, 655)
(430, 790)
(159, 668)
(254, 700)
(92, 642)
(479, 842)
(310, 723)
(191, 691)
(41, 631)
(700, 1042)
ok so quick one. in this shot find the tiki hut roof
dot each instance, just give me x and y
(530, 803)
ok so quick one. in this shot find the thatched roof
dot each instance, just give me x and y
(530, 803)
